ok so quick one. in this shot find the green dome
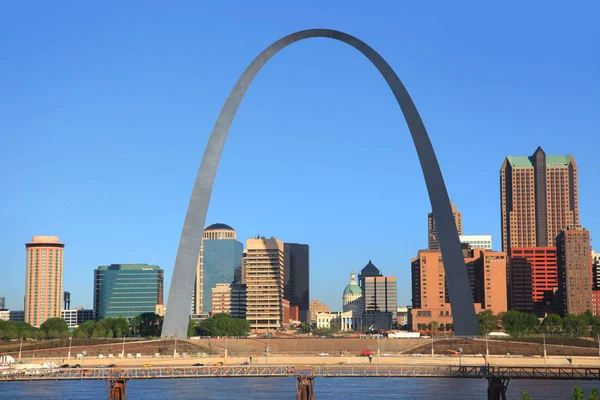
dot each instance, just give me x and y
(353, 289)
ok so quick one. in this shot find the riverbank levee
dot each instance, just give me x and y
(329, 348)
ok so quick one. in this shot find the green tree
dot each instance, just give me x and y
(525, 395)
(111, 327)
(85, 330)
(488, 322)
(517, 323)
(552, 324)
(575, 325)
(223, 325)
(578, 393)
(191, 328)
(305, 327)
(150, 324)
(595, 328)
(134, 323)
(587, 320)
(54, 328)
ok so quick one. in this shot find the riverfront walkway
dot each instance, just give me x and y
(563, 373)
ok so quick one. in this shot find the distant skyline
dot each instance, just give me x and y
(105, 113)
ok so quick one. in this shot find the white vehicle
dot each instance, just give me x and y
(404, 335)
(323, 354)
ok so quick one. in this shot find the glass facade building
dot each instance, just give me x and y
(296, 277)
(220, 259)
(380, 294)
(127, 290)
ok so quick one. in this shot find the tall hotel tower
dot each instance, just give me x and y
(538, 199)
(43, 279)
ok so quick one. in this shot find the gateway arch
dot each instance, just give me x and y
(182, 284)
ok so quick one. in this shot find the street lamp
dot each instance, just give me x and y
(460, 350)
(175, 349)
(123, 351)
(544, 338)
(69, 355)
(267, 355)
(432, 345)
(487, 346)
(20, 348)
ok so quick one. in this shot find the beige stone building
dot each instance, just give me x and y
(43, 279)
(316, 307)
(432, 239)
(264, 264)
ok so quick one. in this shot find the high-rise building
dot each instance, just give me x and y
(574, 262)
(533, 279)
(43, 279)
(317, 307)
(127, 290)
(380, 294)
(219, 261)
(477, 241)
(369, 270)
(229, 298)
(432, 237)
(2, 303)
(538, 199)
(264, 264)
(431, 306)
(296, 277)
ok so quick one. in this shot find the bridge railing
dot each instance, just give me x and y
(282, 371)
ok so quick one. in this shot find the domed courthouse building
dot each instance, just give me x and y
(353, 305)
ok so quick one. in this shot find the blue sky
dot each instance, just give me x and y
(105, 110)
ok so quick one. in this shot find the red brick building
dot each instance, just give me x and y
(533, 278)
(574, 262)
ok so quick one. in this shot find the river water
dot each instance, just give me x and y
(284, 388)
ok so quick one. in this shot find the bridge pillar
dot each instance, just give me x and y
(116, 389)
(304, 387)
(497, 387)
